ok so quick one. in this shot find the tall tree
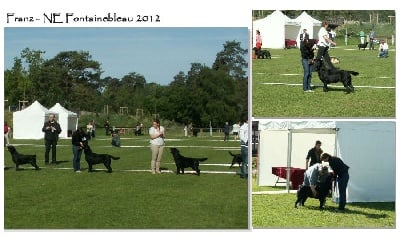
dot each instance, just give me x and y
(232, 60)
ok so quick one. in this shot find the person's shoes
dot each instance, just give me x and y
(77, 171)
(309, 91)
(153, 172)
(158, 172)
(340, 210)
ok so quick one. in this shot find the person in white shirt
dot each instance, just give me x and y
(235, 131)
(244, 148)
(383, 50)
(323, 45)
(157, 136)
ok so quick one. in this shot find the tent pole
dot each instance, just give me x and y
(289, 155)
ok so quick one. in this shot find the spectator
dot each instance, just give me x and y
(226, 131)
(235, 131)
(383, 50)
(89, 130)
(51, 130)
(6, 132)
(116, 139)
(94, 129)
(107, 127)
(362, 36)
(244, 148)
(371, 39)
(304, 36)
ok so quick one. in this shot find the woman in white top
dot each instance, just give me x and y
(323, 45)
(157, 135)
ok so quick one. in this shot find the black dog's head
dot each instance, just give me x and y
(11, 149)
(174, 151)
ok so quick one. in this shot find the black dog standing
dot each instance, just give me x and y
(20, 159)
(51, 130)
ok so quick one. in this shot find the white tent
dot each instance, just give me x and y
(368, 147)
(68, 120)
(274, 29)
(308, 22)
(28, 123)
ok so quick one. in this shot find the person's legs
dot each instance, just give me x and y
(47, 151)
(342, 190)
(159, 157)
(306, 68)
(244, 167)
(54, 152)
(77, 158)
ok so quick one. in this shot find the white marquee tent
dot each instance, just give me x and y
(68, 120)
(368, 147)
(308, 22)
(275, 28)
(28, 123)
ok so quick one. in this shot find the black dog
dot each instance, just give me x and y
(183, 162)
(362, 46)
(334, 75)
(236, 159)
(324, 186)
(262, 54)
(93, 158)
(19, 159)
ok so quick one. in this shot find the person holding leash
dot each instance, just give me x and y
(157, 136)
(323, 46)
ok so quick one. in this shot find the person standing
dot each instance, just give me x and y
(51, 130)
(307, 56)
(362, 36)
(314, 154)
(341, 171)
(107, 127)
(157, 143)
(78, 140)
(371, 39)
(244, 148)
(323, 46)
(89, 130)
(6, 131)
(258, 40)
(226, 131)
(235, 131)
(304, 36)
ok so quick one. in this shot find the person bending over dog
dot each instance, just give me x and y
(323, 45)
(316, 184)
(341, 171)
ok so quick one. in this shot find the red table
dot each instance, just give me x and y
(290, 43)
(296, 175)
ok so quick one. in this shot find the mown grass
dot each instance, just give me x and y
(290, 101)
(57, 198)
(277, 211)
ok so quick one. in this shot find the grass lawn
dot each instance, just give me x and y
(277, 86)
(130, 197)
(277, 211)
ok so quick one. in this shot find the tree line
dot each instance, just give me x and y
(216, 93)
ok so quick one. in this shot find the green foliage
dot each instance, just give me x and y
(58, 198)
(290, 101)
(73, 79)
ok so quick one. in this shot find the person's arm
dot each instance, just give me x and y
(329, 40)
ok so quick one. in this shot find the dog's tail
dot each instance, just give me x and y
(114, 158)
(202, 159)
(231, 153)
(353, 72)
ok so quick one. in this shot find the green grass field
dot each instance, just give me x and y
(130, 197)
(284, 100)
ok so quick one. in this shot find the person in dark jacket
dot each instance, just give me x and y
(341, 171)
(78, 140)
(51, 130)
(307, 56)
(314, 154)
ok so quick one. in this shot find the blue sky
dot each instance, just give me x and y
(156, 53)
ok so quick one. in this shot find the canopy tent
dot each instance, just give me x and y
(311, 24)
(68, 120)
(28, 123)
(368, 147)
(274, 29)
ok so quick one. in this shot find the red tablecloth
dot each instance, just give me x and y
(290, 43)
(296, 175)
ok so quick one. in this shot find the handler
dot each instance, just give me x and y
(323, 45)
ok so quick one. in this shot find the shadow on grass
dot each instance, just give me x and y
(381, 206)
(352, 212)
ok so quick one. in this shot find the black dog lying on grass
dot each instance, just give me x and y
(324, 186)
(262, 54)
(20, 159)
(236, 159)
(183, 162)
(93, 158)
(332, 74)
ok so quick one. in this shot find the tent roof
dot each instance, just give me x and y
(292, 125)
(277, 16)
(60, 109)
(35, 107)
(305, 17)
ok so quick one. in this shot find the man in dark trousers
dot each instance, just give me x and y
(341, 171)
(314, 154)
(51, 130)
